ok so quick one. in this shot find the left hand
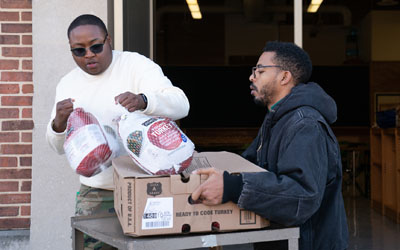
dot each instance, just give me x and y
(212, 190)
(130, 101)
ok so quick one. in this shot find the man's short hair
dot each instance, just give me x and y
(291, 58)
(87, 19)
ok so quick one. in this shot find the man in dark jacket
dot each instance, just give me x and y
(298, 148)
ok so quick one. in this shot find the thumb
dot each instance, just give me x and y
(205, 171)
(116, 99)
(196, 193)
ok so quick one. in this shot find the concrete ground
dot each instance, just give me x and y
(14, 240)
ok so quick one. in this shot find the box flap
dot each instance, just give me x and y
(227, 161)
(180, 187)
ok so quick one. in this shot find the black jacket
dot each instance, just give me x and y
(303, 186)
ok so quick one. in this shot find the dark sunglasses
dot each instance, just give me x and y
(95, 49)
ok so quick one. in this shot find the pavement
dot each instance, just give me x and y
(14, 240)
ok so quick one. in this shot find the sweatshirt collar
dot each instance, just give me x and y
(273, 106)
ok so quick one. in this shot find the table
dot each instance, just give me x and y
(108, 229)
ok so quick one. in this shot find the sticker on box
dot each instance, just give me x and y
(158, 213)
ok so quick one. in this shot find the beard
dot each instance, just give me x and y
(265, 95)
(259, 102)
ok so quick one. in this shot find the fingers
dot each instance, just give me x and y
(206, 171)
(209, 202)
(196, 193)
(116, 99)
(66, 102)
(122, 98)
(130, 106)
(128, 100)
(211, 191)
(206, 195)
(63, 109)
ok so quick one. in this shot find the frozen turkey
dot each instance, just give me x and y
(156, 144)
(86, 145)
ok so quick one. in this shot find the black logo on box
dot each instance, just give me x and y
(154, 188)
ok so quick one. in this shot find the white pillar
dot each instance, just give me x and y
(298, 22)
(54, 184)
(118, 25)
(151, 27)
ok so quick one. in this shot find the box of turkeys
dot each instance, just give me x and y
(161, 204)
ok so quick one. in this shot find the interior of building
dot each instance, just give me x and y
(354, 47)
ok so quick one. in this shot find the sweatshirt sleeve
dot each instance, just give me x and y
(233, 186)
(55, 140)
(163, 98)
(291, 195)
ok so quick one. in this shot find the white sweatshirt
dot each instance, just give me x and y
(128, 71)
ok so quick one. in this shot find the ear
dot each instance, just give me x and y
(286, 77)
(109, 40)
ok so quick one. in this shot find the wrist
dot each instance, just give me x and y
(144, 98)
(57, 128)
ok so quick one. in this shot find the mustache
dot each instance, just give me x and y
(253, 87)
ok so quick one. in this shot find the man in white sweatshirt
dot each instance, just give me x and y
(103, 80)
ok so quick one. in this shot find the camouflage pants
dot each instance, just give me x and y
(94, 201)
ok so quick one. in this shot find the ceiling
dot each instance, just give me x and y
(331, 12)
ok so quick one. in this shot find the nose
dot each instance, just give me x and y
(251, 77)
(89, 53)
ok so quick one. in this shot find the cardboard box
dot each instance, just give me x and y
(154, 205)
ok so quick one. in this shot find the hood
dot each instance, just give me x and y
(311, 95)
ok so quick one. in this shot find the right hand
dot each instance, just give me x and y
(211, 191)
(63, 109)
(130, 101)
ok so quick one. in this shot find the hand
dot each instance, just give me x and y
(212, 190)
(63, 109)
(130, 101)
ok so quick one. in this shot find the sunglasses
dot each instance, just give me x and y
(95, 49)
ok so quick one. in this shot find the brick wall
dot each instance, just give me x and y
(16, 123)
